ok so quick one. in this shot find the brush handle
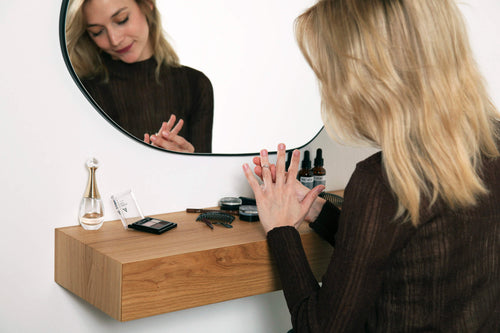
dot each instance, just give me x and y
(208, 223)
(201, 210)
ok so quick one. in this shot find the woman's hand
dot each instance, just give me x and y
(300, 190)
(277, 199)
(168, 138)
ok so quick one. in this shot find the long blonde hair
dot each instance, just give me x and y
(85, 55)
(400, 76)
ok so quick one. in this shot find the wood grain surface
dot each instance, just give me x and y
(130, 274)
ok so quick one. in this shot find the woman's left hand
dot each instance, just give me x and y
(168, 138)
(277, 201)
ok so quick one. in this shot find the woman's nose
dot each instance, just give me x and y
(114, 37)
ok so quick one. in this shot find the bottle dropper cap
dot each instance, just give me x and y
(288, 160)
(306, 162)
(318, 161)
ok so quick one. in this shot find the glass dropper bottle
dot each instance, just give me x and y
(91, 214)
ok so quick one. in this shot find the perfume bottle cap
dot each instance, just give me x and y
(92, 191)
(92, 163)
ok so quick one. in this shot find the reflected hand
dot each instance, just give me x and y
(277, 200)
(168, 138)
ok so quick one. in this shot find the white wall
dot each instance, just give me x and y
(48, 130)
(247, 53)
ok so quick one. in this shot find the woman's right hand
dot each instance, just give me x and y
(300, 190)
(168, 138)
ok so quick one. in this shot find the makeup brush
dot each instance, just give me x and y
(201, 210)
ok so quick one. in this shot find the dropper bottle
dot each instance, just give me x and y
(288, 160)
(319, 171)
(305, 175)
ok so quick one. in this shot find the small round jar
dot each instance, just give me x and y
(230, 203)
(249, 213)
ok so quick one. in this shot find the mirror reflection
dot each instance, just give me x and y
(118, 50)
(120, 53)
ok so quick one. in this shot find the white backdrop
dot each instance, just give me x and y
(48, 130)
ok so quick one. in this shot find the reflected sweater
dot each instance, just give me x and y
(442, 276)
(138, 103)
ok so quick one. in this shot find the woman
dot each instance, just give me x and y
(418, 240)
(118, 50)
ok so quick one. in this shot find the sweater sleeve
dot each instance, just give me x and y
(364, 242)
(327, 223)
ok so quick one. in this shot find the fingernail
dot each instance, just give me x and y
(165, 134)
(153, 138)
(281, 146)
(263, 152)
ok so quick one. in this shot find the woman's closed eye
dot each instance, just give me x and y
(95, 33)
(123, 21)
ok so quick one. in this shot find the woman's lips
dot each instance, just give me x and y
(125, 49)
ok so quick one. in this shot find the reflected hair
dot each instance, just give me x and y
(399, 75)
(85, 55)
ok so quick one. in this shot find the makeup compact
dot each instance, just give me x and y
(152, 225)
(230, 203)
(249, 213)
(131, 215)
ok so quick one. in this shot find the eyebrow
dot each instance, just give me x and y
(112, 16)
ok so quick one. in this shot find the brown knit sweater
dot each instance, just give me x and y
(443, 276)
(139, 104)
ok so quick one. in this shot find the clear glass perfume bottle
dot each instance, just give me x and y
(91, 214)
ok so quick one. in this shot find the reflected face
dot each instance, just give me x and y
(119, 28)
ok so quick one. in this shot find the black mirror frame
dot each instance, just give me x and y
(76, 79)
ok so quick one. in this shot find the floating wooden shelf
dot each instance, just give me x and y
(130, 274)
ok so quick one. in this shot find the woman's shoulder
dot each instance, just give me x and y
(370, 171)
(194, 76)
(186, 70)
(373, 163)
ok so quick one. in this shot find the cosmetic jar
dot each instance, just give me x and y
(230, 203)
(249, 213)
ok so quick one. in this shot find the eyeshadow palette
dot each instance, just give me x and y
(131, 215)
(152, 225)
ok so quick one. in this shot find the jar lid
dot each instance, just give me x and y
(249, 213)
(230, 203)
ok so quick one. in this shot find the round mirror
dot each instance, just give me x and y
(263, 91)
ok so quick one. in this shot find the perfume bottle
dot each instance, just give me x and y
(91, 214)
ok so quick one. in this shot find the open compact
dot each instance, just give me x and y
(131, 215)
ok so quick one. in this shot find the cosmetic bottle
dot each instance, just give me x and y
(91, 214)
(319, 171)
(305, 175)
(288, 160)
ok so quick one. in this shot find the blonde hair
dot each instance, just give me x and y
(400, 76)
(85, 55)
